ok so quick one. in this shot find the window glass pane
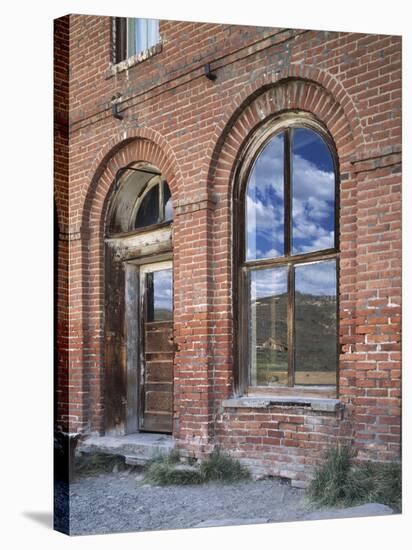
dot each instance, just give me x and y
(141, 35)
(159, 296)
(268, 327)
(131, 36)
(167, 199)
(315, 323)
(148, 213)
(313, 193)
(265, 203)
(152, 32)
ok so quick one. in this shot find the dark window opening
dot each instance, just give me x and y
(155, 206)
(148, 213)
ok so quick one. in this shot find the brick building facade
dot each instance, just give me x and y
(194, 125)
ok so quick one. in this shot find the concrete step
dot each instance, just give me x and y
(136, 460)
(136, 448)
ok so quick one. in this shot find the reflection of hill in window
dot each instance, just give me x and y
(163, 314)
(271, 322)
(315, 329)
(315, 336)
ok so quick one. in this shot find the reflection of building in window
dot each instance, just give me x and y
(290, 254)
(134, 35)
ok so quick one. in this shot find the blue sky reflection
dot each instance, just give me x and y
(313, 193)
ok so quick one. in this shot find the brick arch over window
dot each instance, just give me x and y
(337, 114)
(291, 87)
(129, 147)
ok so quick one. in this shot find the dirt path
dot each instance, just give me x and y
(118, 502)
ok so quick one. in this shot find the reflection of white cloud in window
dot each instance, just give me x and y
(268, 169)
(318, 279)
(264, 229)
(320, 243)
(313, 205)
(310, 181)
(268, 282)
(264, 203)
(162, 289)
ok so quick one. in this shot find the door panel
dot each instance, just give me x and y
(158, 350)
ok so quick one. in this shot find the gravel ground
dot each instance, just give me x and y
(119, 502)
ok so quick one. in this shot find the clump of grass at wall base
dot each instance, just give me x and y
(340, 483)
(96, 463)
(216, 467)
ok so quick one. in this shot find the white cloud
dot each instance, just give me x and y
(317, 278)
(162, 288)
(310, 181)
(313, 204)
(268, 282)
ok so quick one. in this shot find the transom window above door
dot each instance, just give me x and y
(142, 200)
(288, 260)
(134, 36)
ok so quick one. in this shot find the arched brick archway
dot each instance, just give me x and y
(335, 111)
(295, 81)
(142, 145)
(128, 146)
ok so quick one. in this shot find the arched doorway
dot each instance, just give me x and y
(139, 347)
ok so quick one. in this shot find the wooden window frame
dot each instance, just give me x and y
(242, 267)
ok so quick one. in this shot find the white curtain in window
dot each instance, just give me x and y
(141, 35)
(152, 32)
(131, 36)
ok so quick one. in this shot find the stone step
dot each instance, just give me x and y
(136, 448)
(136, 460)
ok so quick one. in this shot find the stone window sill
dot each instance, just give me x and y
(116, 68)
(324, 404)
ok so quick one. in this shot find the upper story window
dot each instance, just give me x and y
(134, 36)
(288, 265)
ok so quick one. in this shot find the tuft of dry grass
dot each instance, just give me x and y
(216, 467)
(339, 483)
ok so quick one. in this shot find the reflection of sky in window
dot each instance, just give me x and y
(264, 203)
(268, 282)
(313, 193)
(162, 289)
(317, 279)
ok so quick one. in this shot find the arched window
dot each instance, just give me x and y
(142, 199)
(154, 206)
(288, 260)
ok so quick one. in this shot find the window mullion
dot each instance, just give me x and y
(291, 325)
(161, 202)
(287, 193)
(288, 240)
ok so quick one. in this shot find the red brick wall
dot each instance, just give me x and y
(193, 129)
(61, 179)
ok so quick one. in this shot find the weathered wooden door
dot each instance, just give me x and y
(156, 348)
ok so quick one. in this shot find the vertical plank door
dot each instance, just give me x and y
(158, 351)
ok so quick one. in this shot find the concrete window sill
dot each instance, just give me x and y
(324, 404)
(116, 68)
